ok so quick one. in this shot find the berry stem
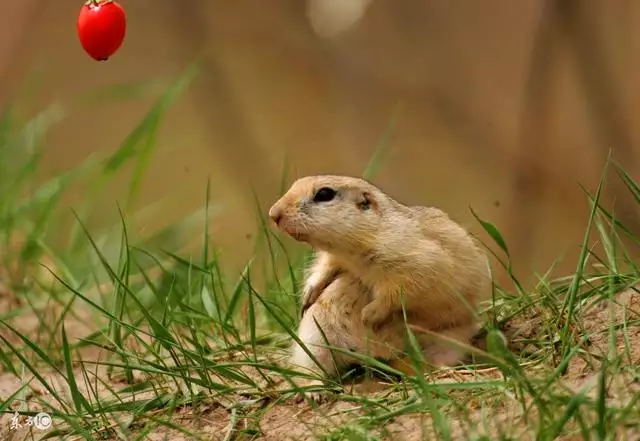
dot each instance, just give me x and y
(96, 2)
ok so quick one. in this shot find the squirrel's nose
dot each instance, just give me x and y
(275, 215)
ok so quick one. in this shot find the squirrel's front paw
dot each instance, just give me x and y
(373, 316)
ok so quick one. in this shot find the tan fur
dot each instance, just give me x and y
(372, 254)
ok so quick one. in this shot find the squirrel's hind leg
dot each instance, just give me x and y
(439, 352)
(327, 362)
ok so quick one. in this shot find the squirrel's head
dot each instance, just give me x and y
(333, 213)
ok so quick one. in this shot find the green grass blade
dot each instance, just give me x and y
(383, 146)
(79, 400)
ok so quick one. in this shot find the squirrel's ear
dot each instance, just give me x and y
(366, 201)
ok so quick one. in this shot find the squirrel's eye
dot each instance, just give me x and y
(325, 194)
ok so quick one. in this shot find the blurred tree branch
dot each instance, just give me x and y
(528, 172)
(216, 100)
(601, 87)
(573, 21)
(14, 19)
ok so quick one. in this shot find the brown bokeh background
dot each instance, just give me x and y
(503, 106)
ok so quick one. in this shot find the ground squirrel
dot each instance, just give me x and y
(372, 256)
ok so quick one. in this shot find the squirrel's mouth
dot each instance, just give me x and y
(293, 233)
(292, 229)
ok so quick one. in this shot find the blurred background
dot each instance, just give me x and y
(505, 107)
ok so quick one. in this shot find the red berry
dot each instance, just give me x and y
(101, 28)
